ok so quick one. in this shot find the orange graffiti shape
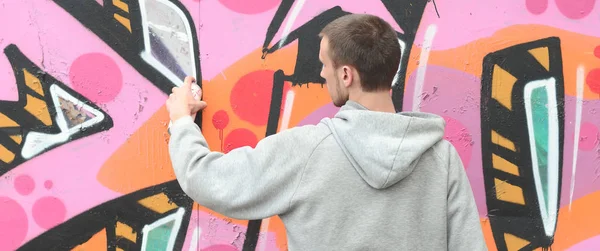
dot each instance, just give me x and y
(576, 50)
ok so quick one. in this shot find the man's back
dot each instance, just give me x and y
(372, 185)
(362, 180)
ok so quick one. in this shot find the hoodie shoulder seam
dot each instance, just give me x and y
(387, 179)
(438, 156)
(304, 168)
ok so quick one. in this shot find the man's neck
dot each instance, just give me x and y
(379, 101)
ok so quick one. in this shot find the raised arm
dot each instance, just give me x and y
(246, 183)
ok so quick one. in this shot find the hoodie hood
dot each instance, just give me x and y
(384, 148)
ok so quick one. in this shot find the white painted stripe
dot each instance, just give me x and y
(578, 106)
(420, 81)
(288, 24)
(287, 110)
(265, 230)
(195, 238)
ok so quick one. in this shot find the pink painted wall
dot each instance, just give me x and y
(83, 184)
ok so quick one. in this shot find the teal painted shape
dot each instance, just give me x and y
(539, 107)
(158, 238)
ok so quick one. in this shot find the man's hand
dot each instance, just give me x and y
(181, 101)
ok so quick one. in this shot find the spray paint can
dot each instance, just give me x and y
(195, 94)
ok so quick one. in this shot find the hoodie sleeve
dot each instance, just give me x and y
(246, 183)
(464, 226)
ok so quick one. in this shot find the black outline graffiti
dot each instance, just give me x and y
(525, 221)
(99, 19)
(28, 122)
(126, 209)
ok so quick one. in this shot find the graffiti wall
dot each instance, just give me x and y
(84, 163)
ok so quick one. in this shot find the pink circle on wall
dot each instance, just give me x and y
(24, 184)
(536, 6)
(48, 184)
(575, 9)
(49, 212)
(13, 224)
(250, 6)
(97, 77)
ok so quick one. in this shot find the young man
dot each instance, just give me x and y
(367, 179)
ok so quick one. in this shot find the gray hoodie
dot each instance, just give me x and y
(362, 180)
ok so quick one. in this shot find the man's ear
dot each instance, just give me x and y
(347, 75)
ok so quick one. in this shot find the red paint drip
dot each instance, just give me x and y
(220, 120)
